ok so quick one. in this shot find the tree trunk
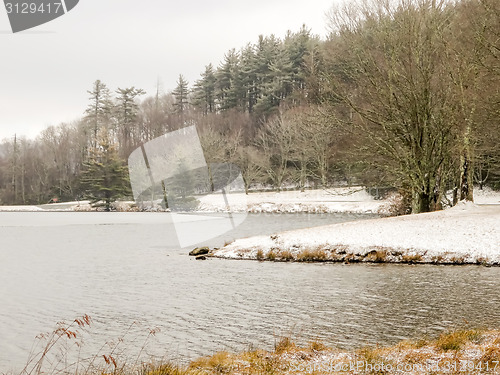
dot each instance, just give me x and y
(466, 172)
(421, 202)
(466, 182)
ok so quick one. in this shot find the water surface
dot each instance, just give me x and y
(126, 271)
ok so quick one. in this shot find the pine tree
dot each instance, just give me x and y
(229, 87)
(181, 95)
(105, 177)
(204, 91)
(126, 113)
(266, 56)
(98, 113)
(248, 76)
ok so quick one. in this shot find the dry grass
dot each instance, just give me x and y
(457, 260)
(376, 256)
(317, 346)
(458, 339)
(412, 258)
(169, 369)
(259, 255)
(284, 344)
(491, 353)
(313, 255)
(437, 259)
(479, 348)
(220, 363)
(286, 256)
(370, 356)
(271, 255)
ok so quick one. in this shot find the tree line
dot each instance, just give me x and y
(402, 94)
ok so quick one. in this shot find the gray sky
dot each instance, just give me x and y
(45, 72)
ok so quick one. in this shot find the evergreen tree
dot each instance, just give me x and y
(248, 76)
(266, 55)
(204, 91)
(105, 177)
(127, 111)
(230, 91)
(98, 112)
(181, 96)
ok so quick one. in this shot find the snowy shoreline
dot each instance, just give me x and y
(333, 200)
(465, 234)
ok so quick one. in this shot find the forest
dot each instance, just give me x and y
(401, 94)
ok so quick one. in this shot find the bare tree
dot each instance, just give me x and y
(389, 71)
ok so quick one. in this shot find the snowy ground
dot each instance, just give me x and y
(486, 196)
(353, 199)
(334, 200)
(20, 208)
(466, 233)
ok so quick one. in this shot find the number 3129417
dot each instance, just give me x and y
(32, 8)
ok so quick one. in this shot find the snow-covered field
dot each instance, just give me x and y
(333, 200)
(466, 233)
(353, 199)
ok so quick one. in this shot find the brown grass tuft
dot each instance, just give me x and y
(169, 369)
(260, 255)
(219, 363)
(316, 255)
(415, 258)
(271, 255)
(317, 346)
(376, 256)
(286, 256)
(456, 340)
(285, 344)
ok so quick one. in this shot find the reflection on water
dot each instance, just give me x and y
(125, 269)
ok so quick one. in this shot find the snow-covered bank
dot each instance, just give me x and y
(353, 199)
(459, 352)
(466, 233)
(20, 208)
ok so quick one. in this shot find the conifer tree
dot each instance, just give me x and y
(127, 110)
(204, 91)
(99, 111)
(181, 95)
(105, 177)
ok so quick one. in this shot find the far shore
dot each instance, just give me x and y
(332, 200)
(355, 199)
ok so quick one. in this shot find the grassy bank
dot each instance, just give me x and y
(470, 351)
(464, 351)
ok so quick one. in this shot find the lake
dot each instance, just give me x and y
(128, 273)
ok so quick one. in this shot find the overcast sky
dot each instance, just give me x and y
(46, 71)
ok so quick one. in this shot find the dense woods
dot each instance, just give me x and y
(401, 94)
